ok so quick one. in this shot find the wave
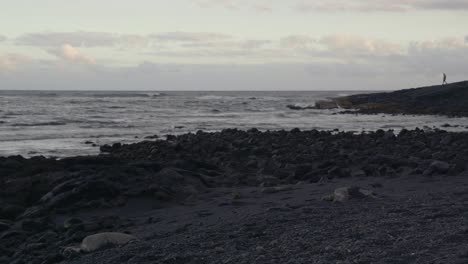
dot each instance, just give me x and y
(300, 106)
(116, 107)
(157, 94)
(99, 95)
(215, 97)
(53, 123)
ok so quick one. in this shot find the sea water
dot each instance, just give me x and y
(64, 123)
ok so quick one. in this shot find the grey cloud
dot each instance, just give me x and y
(379, 5)
(255, 43)
(442, 5)
(3, 38)
(343, 6)
(258, 5)
(296, 42)
(106, 39)
(180, 36)
(81, 39)
(231, 44)
(340, 5)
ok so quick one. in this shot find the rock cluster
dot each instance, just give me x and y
(234, 157)
(36, 190)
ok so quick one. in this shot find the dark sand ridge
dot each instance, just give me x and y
(244, 197)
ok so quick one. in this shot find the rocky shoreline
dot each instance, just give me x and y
(227, 196)
(448, 100)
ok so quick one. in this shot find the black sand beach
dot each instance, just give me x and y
(244, 197)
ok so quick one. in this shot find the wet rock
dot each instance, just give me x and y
(269, 181)
(71, 252)
(219, 250)
(345, 194)
(260, 249)
(108, 148)
(4, 226)
(12, 234)
(34, 225)
(276, 189)
(105, 240)
(11, 211)
(72, 223)
(446, 140)
(439, 166)
(53, 258)
(389, 135)
(357, 173)
(297, 107)
(48, 236)
(35, 246)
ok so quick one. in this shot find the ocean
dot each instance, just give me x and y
(68, 123)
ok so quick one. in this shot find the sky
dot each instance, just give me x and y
(232, 44)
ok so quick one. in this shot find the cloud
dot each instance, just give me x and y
(296, 42)
(79, 39)
(261, 6)
(337, 5)
(379, 5)
(441, 44)
(353, 45)
(10, 62)
(179, 36)
(231, 4)
(69, 53)
(3, 38)
(441, 4)
(348, 5)
(86, 39)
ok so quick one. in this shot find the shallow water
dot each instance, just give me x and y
(58, 124)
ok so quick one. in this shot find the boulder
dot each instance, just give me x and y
(72, 222)
(389, 135)
(34, 225)
(344, 194)
(101, 241)
(326, 104)
(439, 166)
(276, 189)
(71, 252)
(4, 226)
(357, 173)
(10, 212)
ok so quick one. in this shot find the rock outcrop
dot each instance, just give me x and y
(449, 100)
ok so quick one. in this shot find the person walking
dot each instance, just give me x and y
(445, 79)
